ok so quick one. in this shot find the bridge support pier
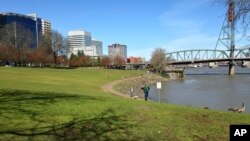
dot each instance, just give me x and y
(231, 68)
(175, 73)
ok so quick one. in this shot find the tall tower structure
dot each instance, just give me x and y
(227, 35)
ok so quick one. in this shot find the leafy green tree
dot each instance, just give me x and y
(98, 62)
(80, 53)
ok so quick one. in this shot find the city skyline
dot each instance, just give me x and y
(141, 25)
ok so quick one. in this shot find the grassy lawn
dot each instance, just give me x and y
(68, 104)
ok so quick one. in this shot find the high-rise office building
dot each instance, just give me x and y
(46, 27)
(19, 22)
(80, 40)
(29, 22)
(117, 50)
(98, 45)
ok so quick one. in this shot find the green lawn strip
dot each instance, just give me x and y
(77, 109)
(59, 80)
(34, 113)
(174, 122)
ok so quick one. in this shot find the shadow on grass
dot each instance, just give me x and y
(46, 97)
(106, 125)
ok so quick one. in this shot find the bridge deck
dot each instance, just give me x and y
(207, 61)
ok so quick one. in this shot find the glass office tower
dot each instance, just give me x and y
(31, 23)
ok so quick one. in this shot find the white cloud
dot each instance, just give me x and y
(187, 27)
(183, 18)
(191, 42)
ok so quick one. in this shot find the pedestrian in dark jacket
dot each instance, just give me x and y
(146, 89)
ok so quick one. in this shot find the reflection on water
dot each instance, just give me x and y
(204, 87)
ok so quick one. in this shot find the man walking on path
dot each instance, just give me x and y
(146, 89)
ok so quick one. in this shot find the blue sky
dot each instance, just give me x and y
(142, 25)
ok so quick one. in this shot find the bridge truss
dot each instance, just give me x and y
(206, 55)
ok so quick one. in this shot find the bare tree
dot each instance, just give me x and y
(119, 61)
(67, 47)
(5, 53)
(17, 36)
(38, 56)
(242, 12)
(7, 35)
(8, 54)
(105, 62)
(24, 43)
(46, 43)
(158, 60)
(56, 43)
(46, 50)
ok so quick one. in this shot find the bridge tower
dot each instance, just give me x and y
(227, 35)
(231, 21)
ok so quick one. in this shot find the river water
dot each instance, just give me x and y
(207, 87)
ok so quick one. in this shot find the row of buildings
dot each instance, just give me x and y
(78, 40)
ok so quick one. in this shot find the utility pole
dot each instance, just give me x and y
(231, 20)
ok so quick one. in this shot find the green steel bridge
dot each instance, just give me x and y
(207, 55)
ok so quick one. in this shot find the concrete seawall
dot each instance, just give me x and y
(175, 73)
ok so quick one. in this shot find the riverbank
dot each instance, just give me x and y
(55, 104)
(123, 87)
